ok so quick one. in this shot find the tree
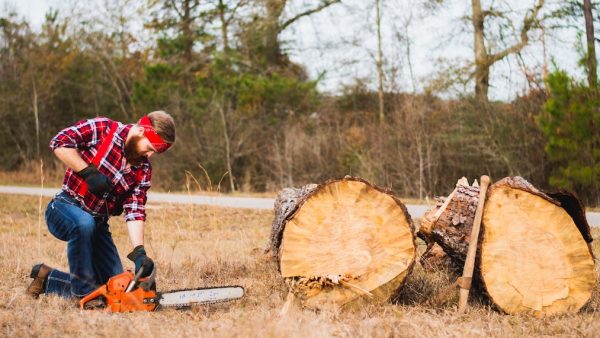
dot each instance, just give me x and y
(568, 16)
(226, 11)
(263, 31)
(484, 59)
(182, 18)
(571, 123)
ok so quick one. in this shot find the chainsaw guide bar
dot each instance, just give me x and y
(201, 296)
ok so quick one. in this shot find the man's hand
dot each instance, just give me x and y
(138, 256)
(97, 182)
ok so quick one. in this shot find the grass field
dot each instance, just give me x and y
(203, 246)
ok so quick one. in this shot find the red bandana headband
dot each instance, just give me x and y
(152, 136)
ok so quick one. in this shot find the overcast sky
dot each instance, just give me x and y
(341, 42)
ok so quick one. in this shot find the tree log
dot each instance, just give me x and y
(342, 242)
(533, 256)
(448, 225)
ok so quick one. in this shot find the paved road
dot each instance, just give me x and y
(416, 211)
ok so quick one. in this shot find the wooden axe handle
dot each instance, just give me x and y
(470, 260)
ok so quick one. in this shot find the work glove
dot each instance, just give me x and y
(138, 256)
(97, 182)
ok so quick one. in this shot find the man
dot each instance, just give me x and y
(108, 172)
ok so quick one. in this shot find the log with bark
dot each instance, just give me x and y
(534, 254)
(446, 228)
(341, 242)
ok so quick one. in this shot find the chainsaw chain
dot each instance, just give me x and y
(199, 303)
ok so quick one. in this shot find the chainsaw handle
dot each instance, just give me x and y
(101, 291)
(135, 280)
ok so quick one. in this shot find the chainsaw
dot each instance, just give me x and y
(127, 292)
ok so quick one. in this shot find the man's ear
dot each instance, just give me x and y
(139, 131)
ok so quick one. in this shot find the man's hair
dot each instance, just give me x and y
(164, 125)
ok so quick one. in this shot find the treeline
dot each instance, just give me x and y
(250, 119)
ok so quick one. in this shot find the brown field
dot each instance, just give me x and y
(204, 246)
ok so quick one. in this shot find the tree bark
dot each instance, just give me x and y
(379, 62)
(448, 225)
(341, 243)
(591, 45)
(482, 70)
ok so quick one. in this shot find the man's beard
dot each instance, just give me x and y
(132, 153)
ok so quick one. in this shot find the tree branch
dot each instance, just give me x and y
(176, 9)
(240, 3)
(324, 4)
(494, 13)
(528, 22)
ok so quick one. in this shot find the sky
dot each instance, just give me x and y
(340, 43)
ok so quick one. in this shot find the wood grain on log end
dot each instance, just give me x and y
(533, 257)
(346, 240)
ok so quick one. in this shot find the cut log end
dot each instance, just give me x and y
(347, 240)
(533, 258)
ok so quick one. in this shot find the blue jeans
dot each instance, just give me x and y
(92, 254)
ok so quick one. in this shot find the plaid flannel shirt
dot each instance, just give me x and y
(130, 184)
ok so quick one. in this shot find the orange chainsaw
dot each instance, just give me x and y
(127, 293)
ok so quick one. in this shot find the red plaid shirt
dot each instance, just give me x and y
(130, 184)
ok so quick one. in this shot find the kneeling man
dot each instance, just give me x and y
(108, 173)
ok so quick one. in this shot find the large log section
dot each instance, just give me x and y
(533, 255)
(342, 241)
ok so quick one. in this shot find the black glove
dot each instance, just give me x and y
(97, 182)
(138, 256)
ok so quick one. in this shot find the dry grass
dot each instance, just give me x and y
(201, 246)
(30, 174)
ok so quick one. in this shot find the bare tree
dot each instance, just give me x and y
(484, 59)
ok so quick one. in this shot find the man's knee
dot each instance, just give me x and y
(86, 227)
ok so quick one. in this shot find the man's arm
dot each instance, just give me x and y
(71, 158)
(83, 135)
(138, 255)
(136, 232)
(97, 183)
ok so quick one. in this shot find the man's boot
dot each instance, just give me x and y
(39, 273)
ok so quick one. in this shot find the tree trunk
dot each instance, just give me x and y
(36, 116)
(482, 73)
(227, 140)
(186, 29)
(274, 9)
(342, 241)
(379, 62)
(533, 256)
(222, 7)
(591, 47)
